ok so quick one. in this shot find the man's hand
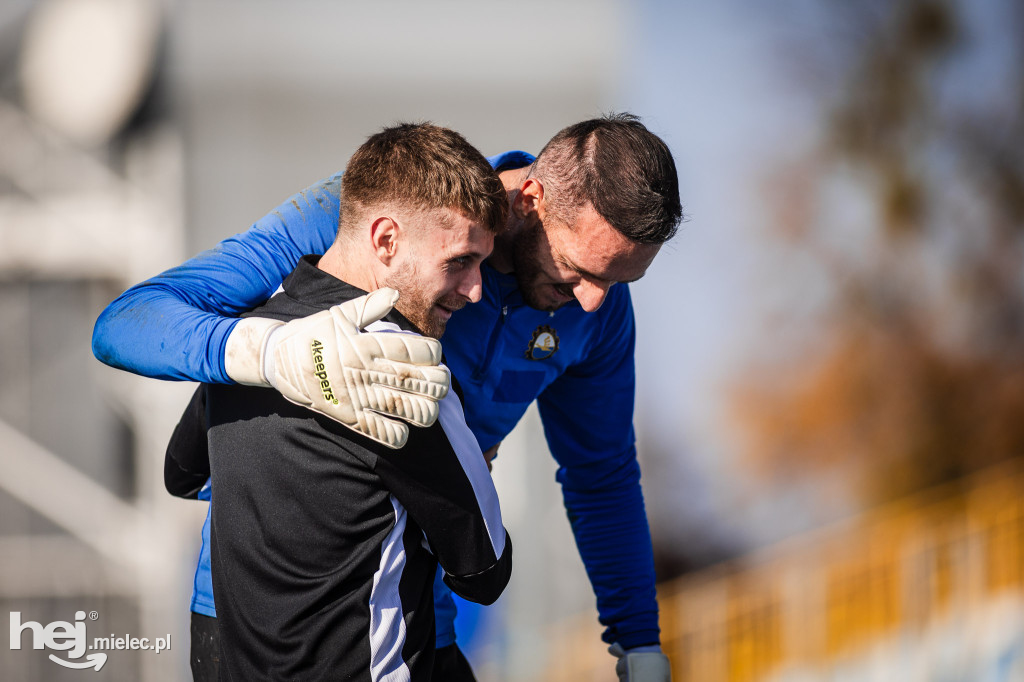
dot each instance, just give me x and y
(642, 664)
(490, 455)
(327, 363)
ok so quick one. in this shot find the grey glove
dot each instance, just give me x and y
(641, 664)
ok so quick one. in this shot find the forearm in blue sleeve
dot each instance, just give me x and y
(614, 541)
(175, 325)
(605, 507)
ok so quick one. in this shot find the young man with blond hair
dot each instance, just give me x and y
(325, 542)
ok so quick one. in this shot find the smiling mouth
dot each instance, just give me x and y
(446, 311)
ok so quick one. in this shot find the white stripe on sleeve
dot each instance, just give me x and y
(387, 622)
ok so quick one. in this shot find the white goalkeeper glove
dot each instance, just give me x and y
(641, 664)
(327, 363)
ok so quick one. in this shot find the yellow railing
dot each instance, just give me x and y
(822, 598)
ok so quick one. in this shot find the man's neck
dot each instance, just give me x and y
(347, 268)
(501, 258)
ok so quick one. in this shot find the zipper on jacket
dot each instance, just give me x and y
(488, 358)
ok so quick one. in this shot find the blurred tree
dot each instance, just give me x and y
(910, 208)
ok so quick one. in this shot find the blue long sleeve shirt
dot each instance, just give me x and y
(577, 365)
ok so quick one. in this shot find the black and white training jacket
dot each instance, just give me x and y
(325, 543)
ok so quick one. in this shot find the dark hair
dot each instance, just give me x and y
(624, 170)
(423, 166)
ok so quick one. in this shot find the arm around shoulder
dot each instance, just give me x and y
(176, 325)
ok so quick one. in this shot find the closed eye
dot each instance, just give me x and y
(594, 278)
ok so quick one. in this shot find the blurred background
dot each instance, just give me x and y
(830, 357)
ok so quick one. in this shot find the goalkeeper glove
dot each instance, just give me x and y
(641, 664)
(364, 380)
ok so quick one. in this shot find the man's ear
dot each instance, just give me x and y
(529, 199)
(385, 234)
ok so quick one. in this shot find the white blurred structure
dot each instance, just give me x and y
(86, 210)
(86, 64)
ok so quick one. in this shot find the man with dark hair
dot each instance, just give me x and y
(609, 172)
(590, 212)
(617, 166)
(319, 564)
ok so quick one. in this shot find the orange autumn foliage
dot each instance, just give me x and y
(920, 378)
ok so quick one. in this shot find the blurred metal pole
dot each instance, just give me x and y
(32, 474)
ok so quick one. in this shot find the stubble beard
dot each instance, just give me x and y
(417, 306)
(528, 273)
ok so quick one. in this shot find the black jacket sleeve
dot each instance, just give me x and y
(441, 479)
(187, 461)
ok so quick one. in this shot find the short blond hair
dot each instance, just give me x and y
(426, 167)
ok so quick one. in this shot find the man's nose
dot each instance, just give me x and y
(472, 286)
(590, 293)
